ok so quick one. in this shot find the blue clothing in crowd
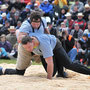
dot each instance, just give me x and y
(3, 52)
(46, 7)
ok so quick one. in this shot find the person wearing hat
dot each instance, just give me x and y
(86, 12)
(32, 4)
(47, 8)
(81, 21)
(4, 18)
(11, 37)
(69, 21)
(4, 10)
(36, 7)
(77, 7)
(76, 32)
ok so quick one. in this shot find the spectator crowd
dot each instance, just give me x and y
(70, 22)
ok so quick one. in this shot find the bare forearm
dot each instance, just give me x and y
(49, 62)
(19, 38)
(46, 31)
(49, 71)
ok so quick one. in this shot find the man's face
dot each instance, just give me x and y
(68, 17)
(76, 27)
(35, 24)
(80, 17)
(28, 47)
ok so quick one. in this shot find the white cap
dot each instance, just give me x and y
(35, 4)
(4, 6)
(12, 28)
(62, 23)
(1, 25)
(3, 15)
(45, 0)
(80, 14)
(87, 6)
(68, 14)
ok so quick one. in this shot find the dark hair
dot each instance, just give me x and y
(35, 15)
(26, 39)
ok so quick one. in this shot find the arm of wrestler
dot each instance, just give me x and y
(46, 31)
(49, 62)
(23, 30)
(20, 35)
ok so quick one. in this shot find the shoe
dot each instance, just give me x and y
(63, 75)
(1, 73)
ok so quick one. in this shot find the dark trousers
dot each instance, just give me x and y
(61, 59)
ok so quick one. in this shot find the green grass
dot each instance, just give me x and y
(14, 62)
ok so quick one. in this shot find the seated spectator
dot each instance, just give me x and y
(69, 45)
(86, 12)
(81, 21)
(4, 18)
(18, 5)
(16, 19)
(3, 54)
(79, 5)
(87, 31)
(8, 4)
(63, 28)
(24, 13)
(82, 50)
(69, 21)
(47, 8)
(18, 24)
(76, 32)
(4, 10)
(52, 29)
(12, 12)
(5, 44)
(61, 16)
(31, 4)
(11, 37)
(61, 3)
(4, 29)
(14, 52)
(36, 7)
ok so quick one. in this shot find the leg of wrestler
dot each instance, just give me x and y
(62, 58)
(23, 61)
(45, 64)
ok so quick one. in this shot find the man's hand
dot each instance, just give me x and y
(20, 36)
(49, 62)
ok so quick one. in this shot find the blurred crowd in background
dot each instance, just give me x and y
(68, 20)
